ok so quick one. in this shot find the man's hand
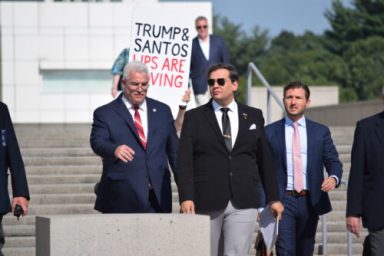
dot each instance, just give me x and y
(328, 184)
(124, 153)
(22, 201)
(187, 206)
(354, 225)
(277, 209)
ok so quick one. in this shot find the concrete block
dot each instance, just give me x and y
(123, 234)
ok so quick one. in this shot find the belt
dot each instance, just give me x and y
(297, 194)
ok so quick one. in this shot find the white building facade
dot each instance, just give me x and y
(56, 57)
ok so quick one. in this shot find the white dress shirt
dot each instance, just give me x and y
(233, 115)
(142, 111)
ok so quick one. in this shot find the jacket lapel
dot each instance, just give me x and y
(122, 110)
(280, 135)
(379, 129)
(243, 123)
(210, 118)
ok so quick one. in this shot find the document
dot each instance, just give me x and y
(269, 227)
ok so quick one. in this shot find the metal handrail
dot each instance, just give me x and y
(270, 93)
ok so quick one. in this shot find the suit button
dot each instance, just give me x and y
(229, 157)
(230, 174)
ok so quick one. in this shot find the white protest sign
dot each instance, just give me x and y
(162, 39)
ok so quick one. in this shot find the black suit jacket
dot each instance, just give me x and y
(366, 179)
(210, 175)
(10, 158)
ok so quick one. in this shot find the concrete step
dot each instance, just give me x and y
(79, 160)
(60, 209)
(79, 198)
(30, 152)
(24, 251)
(64, 169)
(63, 179)
(63, 188)
(20, 242)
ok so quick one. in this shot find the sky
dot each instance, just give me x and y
(295, 16)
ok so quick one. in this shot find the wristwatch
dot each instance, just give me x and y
(182, 107)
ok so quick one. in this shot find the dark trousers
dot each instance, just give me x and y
(374, 243)
(2, 239)
(297, 228)
(154, 204)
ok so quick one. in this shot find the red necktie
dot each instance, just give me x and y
(139, 127)
(297, 163)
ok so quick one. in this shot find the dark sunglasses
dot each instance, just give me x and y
(220, 81)
(200, 27)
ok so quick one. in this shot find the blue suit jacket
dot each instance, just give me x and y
(321, 152)
(366, 179)
(10, 158)
(124, 186)
(218, 53)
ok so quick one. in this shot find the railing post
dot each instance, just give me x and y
(249, 87)
(324, 234)
(349, 246)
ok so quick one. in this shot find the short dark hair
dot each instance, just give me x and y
(233, 75)
(298, 84)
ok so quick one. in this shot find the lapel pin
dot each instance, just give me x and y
(154, 110)
(245, 115)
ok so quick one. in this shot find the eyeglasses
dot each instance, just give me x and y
(220, 81)
(136, 85)
(200, 27)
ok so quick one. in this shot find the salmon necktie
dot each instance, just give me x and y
(297, 163)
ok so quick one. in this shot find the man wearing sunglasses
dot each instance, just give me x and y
(136, 138)
(206, 50)
(223, 156)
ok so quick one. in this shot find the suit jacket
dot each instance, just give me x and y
(320, 152)
(210, 175)
(124, 186)
(366, 178)
(10, 158)
(199, 64)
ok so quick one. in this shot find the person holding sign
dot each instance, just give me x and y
(136, 137)
(223, 155)
(206, 50)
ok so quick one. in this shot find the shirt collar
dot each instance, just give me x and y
(142, 106)
(301, 121)
(232, 106)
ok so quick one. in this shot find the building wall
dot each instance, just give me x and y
(56, 57)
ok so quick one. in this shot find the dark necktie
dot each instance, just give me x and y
(226, 129)
(139, 127)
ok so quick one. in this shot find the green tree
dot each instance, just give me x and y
(303, 57)
(356, 35)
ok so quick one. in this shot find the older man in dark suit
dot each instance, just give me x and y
(136, 138)
(223, 156)
(10, 158)
(365, 199)
(206, 50)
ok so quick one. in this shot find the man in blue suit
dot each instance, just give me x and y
(299, 160)
(10, 158)
(206, 50)
(136, 138)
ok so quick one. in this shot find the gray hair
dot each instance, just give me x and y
(136, 66)
(201, 18)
